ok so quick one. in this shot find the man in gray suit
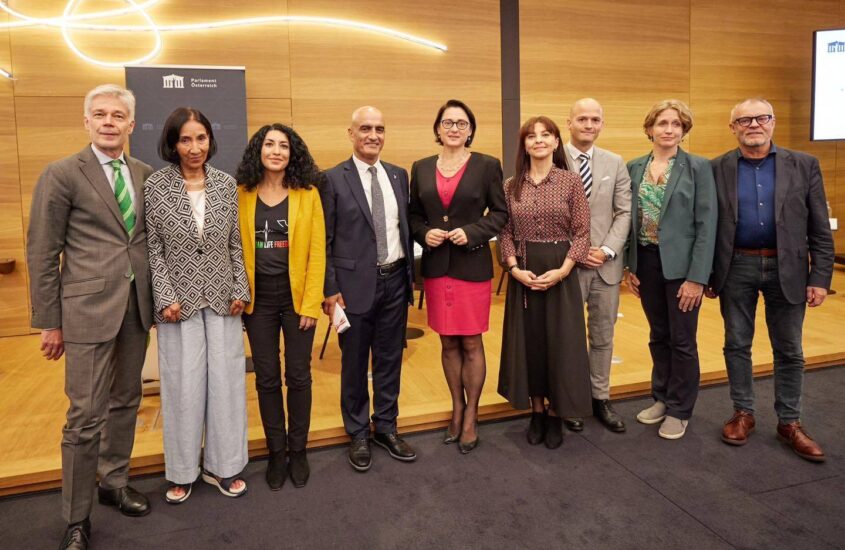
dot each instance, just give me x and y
(608, 188)
(90, 288)
(773, 239)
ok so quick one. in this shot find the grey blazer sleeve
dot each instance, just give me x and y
(48, 219)
(617, 236)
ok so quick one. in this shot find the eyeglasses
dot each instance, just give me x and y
(762, 120)
(461, 124)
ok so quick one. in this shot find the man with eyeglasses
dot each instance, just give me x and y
(773, 238)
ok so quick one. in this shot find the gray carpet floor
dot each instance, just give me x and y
(599, 490)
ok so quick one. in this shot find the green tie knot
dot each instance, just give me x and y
(116, 164)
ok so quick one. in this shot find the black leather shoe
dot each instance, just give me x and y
(607, 416)
(126, 499)
(76, 536)
(359, 454)
(537, 428)
(554, 432)
(277, 470)
(299, 469)
(396, 447)
(574, 424)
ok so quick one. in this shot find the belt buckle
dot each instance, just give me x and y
(382, 270)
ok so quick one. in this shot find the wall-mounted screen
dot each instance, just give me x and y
(828, 117)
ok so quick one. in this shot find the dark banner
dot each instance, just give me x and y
(219, 92)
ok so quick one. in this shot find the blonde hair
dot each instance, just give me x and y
(682, 109)
(113, 90)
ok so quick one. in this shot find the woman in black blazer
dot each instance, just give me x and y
(457, 206)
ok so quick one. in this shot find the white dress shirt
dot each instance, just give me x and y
(574, 153)
(105, 162)
(391, 206)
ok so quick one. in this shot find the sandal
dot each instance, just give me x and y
(186, 487)
(224, 484)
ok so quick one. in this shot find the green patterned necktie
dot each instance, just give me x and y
(124, 201)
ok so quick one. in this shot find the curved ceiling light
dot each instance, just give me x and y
(68, 21)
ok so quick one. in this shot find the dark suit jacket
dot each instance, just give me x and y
(480, 189)
(351, 237)
(687, 227)
(74, 214)
(805, 242)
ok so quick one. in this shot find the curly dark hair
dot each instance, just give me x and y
(301, 172)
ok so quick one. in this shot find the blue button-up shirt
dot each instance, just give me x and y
(755, 227)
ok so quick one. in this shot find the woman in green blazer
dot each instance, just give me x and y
(669, 258)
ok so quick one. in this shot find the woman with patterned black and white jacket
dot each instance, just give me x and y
(199, 290)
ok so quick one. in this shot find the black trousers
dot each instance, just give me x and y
(382, 331)
(672, 340)
(273, 310)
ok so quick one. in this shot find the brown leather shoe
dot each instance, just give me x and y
(794, 435)
(738, 428)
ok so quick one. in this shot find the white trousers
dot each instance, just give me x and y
(201, 362)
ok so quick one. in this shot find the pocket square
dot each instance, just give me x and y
(605, 178)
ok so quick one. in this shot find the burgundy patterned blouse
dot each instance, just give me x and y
(554, 209)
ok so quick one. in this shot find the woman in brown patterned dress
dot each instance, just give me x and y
(544, 347)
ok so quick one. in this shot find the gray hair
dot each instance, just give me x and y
(751, 100)
(113, 90)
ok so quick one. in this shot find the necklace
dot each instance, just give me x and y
(454, 167)
(195, 185)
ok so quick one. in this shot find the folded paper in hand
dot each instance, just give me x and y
(339, 320)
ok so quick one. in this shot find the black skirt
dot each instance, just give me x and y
(544, 342)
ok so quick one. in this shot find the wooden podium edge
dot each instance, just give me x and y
(154, 464)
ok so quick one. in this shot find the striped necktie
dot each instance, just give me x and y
(124, 201)
(586, 173)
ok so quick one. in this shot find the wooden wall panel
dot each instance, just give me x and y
(748, 49)
(14, 301)
(334, 71)
(267, 111)
(46, 67)
(627, 55)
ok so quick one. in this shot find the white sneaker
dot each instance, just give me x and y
(673, 428)
(654, 414)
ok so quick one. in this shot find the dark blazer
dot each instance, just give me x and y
(480, 189)
(351, 237)
(687, 227)
(74, 214)
(805, 242)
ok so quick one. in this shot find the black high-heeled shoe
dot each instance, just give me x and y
(537, 428)
(554, 432)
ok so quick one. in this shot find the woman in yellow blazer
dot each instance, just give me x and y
(284, 243)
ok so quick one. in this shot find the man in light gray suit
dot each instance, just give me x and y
(608, 188)
(90, 288)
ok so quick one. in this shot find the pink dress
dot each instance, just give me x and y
(456, 307)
